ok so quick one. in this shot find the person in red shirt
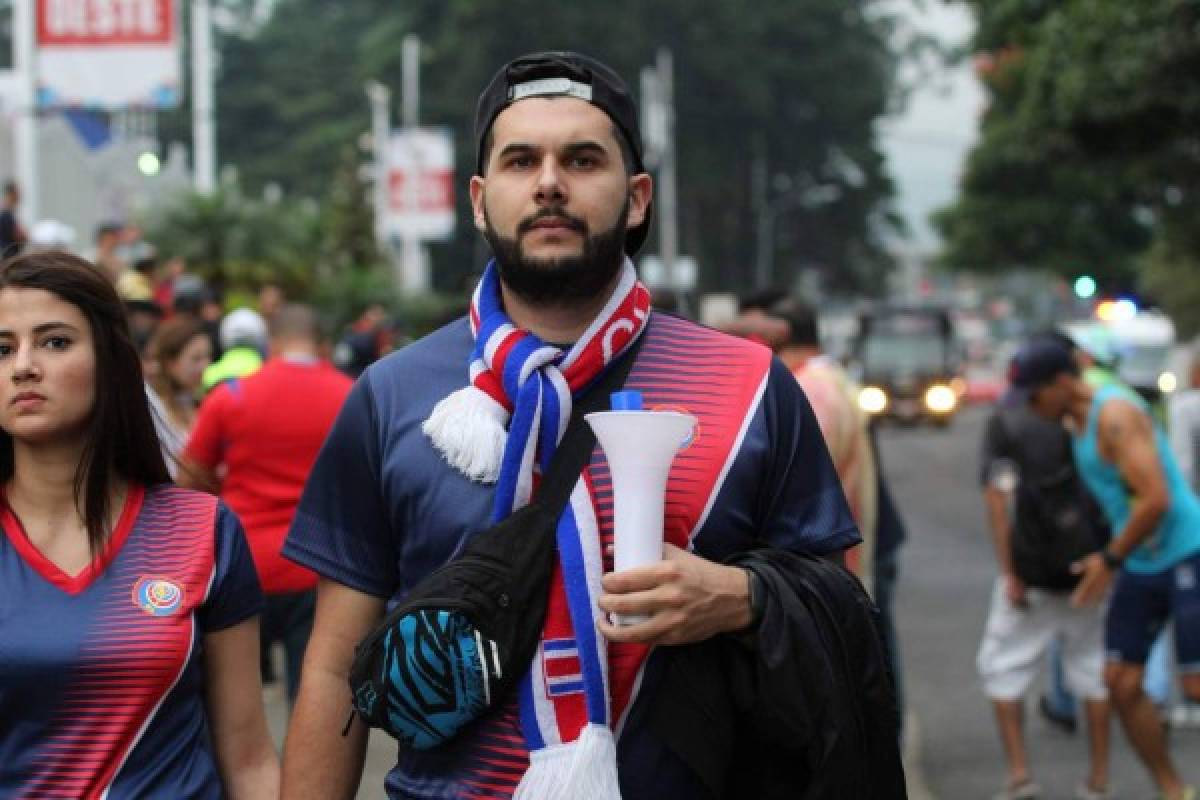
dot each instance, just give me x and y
(254, 443)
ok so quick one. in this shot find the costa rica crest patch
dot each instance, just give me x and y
(158, 597)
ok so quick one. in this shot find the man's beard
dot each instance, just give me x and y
(560, 281)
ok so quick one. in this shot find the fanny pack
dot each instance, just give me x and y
(465, 635)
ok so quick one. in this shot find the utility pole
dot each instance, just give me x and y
(765, 223)
(381, 131)
(414, 274)
(25, 64)
(204, 146)
(668, 231)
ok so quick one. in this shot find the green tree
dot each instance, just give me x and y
(1088, 159)
(797, 82)
(235, 242)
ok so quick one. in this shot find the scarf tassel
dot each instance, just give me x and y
(468, 428)
(585, 769)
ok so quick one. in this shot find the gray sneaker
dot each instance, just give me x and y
(1025, 790)
(1085, 792)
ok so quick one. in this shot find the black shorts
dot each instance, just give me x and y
(1140, 606)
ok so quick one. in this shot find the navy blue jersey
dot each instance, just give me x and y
(101, 673)
(382, 510)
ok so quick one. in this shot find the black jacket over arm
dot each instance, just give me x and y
(802, 708)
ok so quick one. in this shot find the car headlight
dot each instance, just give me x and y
(940, 399)
(1167, 382)
(872, 399)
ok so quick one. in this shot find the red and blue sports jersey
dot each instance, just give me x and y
(382, 510)
(102, 673)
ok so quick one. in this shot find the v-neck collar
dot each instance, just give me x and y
(73, 584)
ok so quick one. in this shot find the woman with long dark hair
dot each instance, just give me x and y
(128, 606)
(180, 350)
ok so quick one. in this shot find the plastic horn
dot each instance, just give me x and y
(640, 446)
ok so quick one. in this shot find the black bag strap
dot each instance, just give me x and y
(579, 440)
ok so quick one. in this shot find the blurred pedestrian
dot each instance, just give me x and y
(1153, 560)
(143, 317)
(1034, 496)
(107, 241)
(834, 400)
(243, 335)
(164, 282)
(362, 345)
(12, 233)
(270, 299)
(180, 352)
(254, 443)
(1184, 431)
(137, 281)
(128, 607)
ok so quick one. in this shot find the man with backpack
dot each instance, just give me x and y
(1151, 563)
(1042, 521)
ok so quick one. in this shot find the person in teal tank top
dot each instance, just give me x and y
(1152, 563)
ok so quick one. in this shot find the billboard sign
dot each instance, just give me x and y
(108, 54)
(421, 184)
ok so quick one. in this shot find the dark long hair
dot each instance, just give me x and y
(171, 339)
(121, 440)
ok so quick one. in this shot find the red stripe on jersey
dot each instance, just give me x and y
(715, 378)
(130, 662)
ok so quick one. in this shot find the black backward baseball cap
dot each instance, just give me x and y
(561, 73)
(1037, 363)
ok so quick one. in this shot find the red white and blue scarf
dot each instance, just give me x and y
(505, 427)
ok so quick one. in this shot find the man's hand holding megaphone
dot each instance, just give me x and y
(688, 599)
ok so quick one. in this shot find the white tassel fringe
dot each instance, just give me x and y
(468, 428)
(585, 769)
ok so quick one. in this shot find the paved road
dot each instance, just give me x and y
(947, 573)
(948, 570)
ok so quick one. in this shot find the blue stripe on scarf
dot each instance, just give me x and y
(524, 412)
(570, 552)
(522, 350)
(551, 414)
(529, 721)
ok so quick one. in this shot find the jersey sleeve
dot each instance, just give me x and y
(995, 447)
(235, 594)
(204, 445)
(801, 503)
(342, 527)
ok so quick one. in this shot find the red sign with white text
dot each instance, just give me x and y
(97, 23)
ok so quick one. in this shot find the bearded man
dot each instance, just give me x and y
(436, 441)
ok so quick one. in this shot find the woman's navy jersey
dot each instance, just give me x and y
(382, 510)
(102, 674)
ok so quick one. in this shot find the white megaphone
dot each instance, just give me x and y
(640, 446)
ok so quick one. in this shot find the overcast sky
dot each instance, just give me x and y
(925, 146)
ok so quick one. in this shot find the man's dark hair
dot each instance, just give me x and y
(627, 158)
(120, 437)
(146, 265)
(761, 300)
(801, 320)
(10, 187)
